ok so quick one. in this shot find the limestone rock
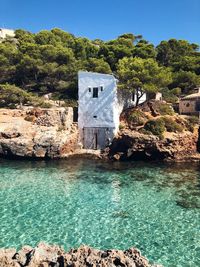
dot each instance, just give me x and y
(45, 255)
(133, 145)
(51, 134)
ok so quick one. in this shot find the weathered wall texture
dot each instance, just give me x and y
(98, 118)
(187, 106)
(105, 107)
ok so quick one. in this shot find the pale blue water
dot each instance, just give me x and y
(155, 207)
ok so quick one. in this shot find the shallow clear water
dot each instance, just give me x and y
(155, 207)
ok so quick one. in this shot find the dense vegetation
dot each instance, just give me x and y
(49, 61)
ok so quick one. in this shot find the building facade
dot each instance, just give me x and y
(6, 32)
(98, 112)
(190, 104)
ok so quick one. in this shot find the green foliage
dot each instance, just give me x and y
(164, 109)
(156, 127)
(169, 96)
(121, 127)
(191, 122)
(48, 61)
(171, 125)
(11, 96)
(137, 118)
(97, 65)
(186, 80)
(144, 75)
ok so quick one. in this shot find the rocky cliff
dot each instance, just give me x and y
(45, 255)
(51, 133)
(40, 133)
(132, 145)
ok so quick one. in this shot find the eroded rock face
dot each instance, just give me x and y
(133, 145)
(40, 133)
(46, 255)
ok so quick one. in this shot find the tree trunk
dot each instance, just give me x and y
(139, 94)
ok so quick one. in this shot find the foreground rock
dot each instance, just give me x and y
(131, 145)
(45, 255)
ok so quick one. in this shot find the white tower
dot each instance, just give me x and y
(98, 112)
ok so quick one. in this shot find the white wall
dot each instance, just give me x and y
(6, 32)
(125, 99)
(105, 107)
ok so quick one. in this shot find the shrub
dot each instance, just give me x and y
(11, 96)
(144, 131)
(165, 109)
(121, 127)
(156, 127)
(137, 118)
(171, 125)
(191, 122)
(45, 105)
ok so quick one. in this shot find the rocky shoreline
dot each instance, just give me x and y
(44, 255)
(51, 133)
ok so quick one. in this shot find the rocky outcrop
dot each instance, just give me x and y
(131, 145)
(40, 133)
(45, 255)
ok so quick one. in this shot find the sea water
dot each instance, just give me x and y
(152, 206)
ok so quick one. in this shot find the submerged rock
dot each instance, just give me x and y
(45, 255)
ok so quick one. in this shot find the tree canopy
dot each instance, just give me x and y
(142, 76)
(48, 61)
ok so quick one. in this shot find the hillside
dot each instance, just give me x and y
(32, 65)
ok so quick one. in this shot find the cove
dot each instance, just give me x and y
(152, 206)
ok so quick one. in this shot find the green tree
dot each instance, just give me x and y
(186, 80)
(142, 76)
(97, 65)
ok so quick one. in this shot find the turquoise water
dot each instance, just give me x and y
(155, 207)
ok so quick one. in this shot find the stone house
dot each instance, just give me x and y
(190, 104)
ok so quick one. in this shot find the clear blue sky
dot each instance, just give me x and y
(156, 20)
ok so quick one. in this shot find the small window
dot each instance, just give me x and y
(95, 92)
(133, 97)
(89, 89)
(101, 88)
(95, 117)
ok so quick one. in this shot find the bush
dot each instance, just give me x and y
(11, 96)
(171, 125)
(137, 118)
(143, 131)
(165, 109)
(191, 122)
(121, 127)
(156, 127)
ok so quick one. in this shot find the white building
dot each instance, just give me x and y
(98, 113)
(100, 105)
(6, 32)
